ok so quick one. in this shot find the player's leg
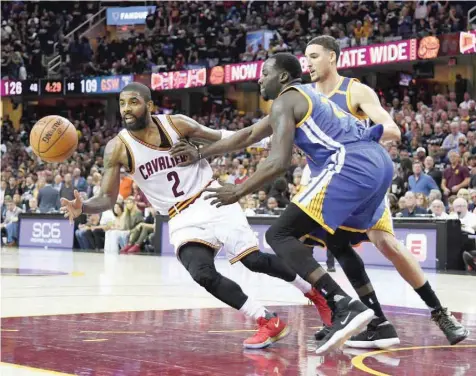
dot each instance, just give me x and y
(350, 315)
(199, 261)
(411, 271)
(330, 262)
(380, 333)
(273, 266)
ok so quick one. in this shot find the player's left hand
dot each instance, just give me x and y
(225, 195)
(183, 148)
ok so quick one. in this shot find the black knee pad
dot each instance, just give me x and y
(205, 275)
(255, 261)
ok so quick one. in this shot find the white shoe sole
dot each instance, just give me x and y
(284, 333)
(377, 344)
(354, 327)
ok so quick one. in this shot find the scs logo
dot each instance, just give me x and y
(46, 230)
(416, 244)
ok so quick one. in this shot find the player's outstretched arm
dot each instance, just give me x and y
(194, 131)
(113, 156)
(227, 141)
(283, 122)
(368, 101)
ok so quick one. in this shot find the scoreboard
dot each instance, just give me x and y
(14, 87)
(97, 85)
(67, 86)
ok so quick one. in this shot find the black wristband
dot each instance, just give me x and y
(82, 208)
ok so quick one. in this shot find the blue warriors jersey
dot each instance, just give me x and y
(341, 96)
(325, 130)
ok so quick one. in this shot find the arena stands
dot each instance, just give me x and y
(429, 132)
(438, 130)
(181, 34)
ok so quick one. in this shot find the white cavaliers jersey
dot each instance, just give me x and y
(156, 172)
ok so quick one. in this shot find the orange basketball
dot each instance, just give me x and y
(53, 139)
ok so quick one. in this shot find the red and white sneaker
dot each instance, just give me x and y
(321, 304)
(269, 331)
(266, 362)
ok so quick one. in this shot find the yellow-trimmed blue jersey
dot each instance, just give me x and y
(342, 97)
(326, 129)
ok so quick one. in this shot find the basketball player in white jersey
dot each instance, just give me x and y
(198, 230)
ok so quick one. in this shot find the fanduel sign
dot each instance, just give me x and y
(128, 15)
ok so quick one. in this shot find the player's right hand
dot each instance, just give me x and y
(72, 209)
(185, 149)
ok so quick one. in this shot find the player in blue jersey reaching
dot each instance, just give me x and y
(362, 102)
(352, 173)
(351, 176)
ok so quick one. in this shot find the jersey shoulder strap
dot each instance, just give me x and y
(126, 139)
(168, 126)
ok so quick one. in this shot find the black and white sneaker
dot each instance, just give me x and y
(350, 317)
(454, 331)
(321, 334)
(378, 335)
(469, 259)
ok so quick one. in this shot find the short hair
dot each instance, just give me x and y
(142, 89)
(410, 193)
(289, 63)
(328, 42)
(49, 177)
(436, 193)
(437, 202)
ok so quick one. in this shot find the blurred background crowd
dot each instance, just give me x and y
(207, 33)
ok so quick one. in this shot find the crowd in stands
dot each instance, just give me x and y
(435, 164)
(180, 34)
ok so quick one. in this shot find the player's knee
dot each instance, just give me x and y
(255, 261)
(387, 244)
(204, 275)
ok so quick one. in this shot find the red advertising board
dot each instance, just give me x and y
(179, 79)
(385, 53)
(467, 42)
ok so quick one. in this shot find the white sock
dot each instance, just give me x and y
(253, 309)
(303, 285)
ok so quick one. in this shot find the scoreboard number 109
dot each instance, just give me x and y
(89, 86)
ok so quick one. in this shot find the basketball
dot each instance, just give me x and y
(53, 139)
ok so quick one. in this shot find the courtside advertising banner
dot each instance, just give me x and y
(355, 57)
(44, 232)
(128, 15)
(420, 242)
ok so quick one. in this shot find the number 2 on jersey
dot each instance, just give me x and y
(173, 176)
